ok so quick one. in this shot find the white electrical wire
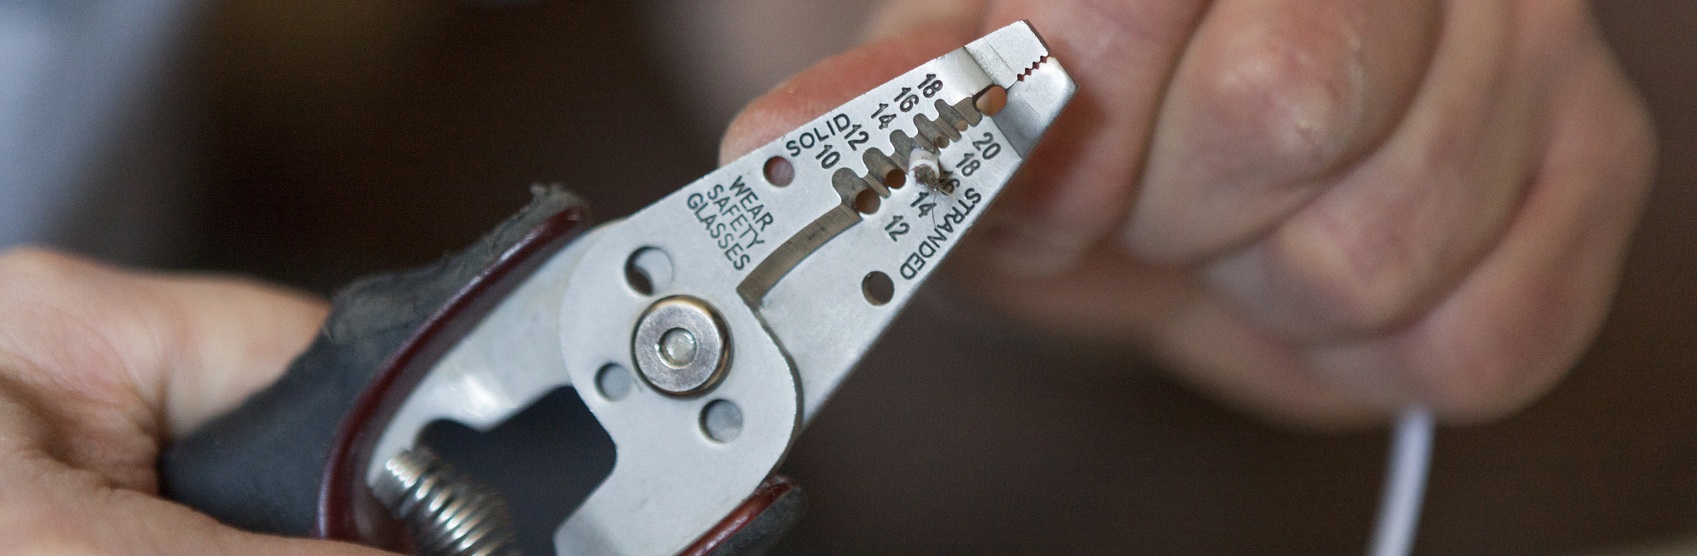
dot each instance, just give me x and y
(1408, 464)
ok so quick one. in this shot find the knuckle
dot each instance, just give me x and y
(1346, 279)
(1558, 33)
(1629, 145)
(1489, 384)
(1561, 20)
(1485, 392)
(1295, 94)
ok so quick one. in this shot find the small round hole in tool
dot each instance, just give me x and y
(778, 171)
(648, 270)
(992, 100)
(945, 108)
(613, 382)
(867, 201)
(895, 179)
(721, 421)
(878, 288)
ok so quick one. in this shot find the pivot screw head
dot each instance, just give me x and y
(681, 346)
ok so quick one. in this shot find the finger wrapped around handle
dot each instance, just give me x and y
(260, 466)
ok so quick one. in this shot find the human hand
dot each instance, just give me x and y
(1319, 210)
(98, 369)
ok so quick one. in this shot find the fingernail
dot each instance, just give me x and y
(1024, 249)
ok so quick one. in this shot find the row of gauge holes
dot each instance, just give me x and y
(649, 269)
(876, 286)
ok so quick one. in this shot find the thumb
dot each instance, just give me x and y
(95, 365)
(171, 349)
(66, 511)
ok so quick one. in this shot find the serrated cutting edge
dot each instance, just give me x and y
(1033, 68)
(1009, 54)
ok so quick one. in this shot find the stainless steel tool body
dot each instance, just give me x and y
(706, 330)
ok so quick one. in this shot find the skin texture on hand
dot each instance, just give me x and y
(1320, 211)
(98, 369)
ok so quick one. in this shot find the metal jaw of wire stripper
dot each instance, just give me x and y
(705, 331)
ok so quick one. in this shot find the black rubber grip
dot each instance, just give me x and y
(259, 467)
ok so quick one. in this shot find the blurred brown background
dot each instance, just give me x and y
(309, 142)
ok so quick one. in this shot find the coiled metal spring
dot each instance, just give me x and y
(449, 513)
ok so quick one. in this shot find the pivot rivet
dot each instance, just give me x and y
(681, 346)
